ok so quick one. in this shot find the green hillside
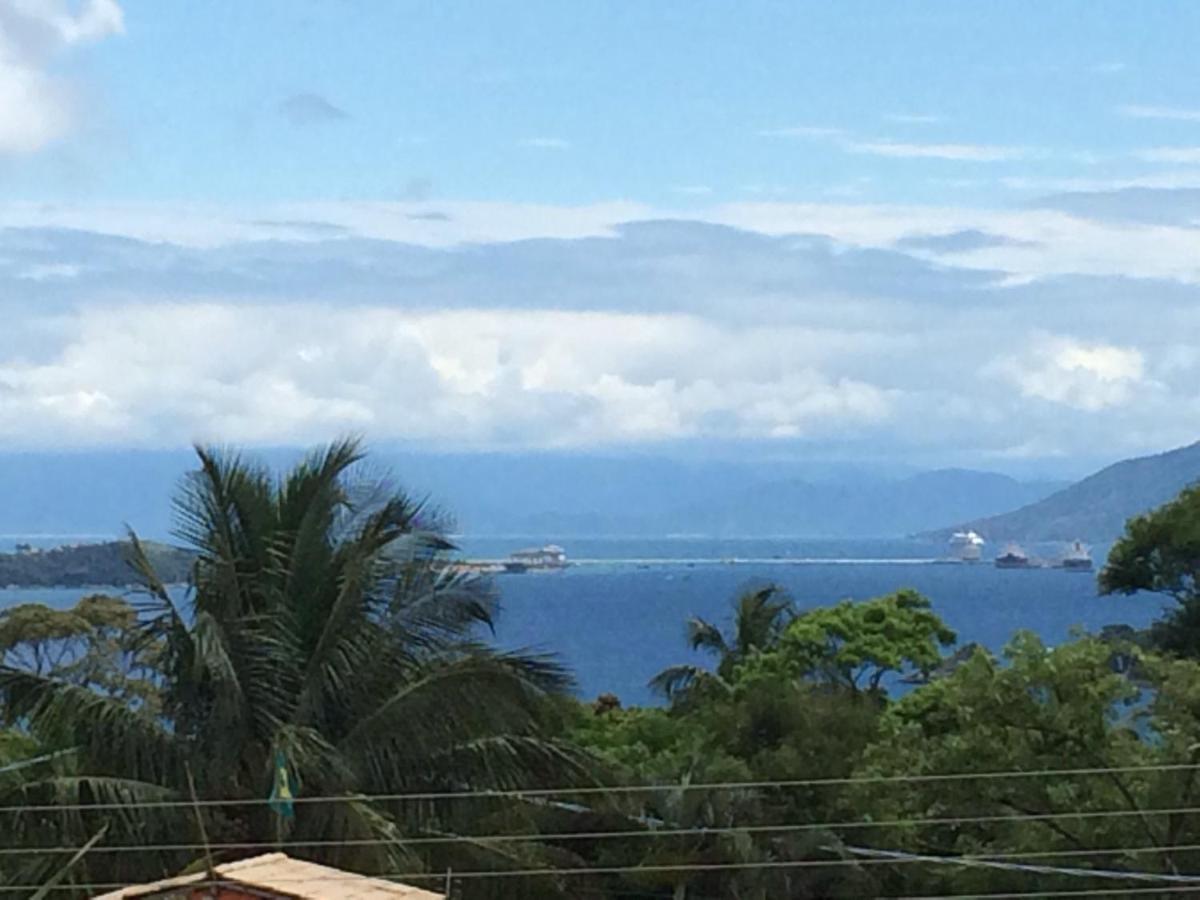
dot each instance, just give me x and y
(1096, 508)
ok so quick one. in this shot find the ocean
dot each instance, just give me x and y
(619, 624)
(616, 619)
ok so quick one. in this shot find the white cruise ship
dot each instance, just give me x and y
(967, 546)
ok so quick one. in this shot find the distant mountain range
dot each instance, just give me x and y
(564, 495)
(1096, 508)
(863, 507)
(548, 495)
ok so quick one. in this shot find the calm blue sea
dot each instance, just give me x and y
(617, 625)
(616, 621)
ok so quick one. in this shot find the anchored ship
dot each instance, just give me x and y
(967, 546)
(1078, 558)
(551, 556)
(1013, 557)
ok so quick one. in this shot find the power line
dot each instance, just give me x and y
(1041, 892)
(1179, 882)
(34, 761)
(847, 825)
(586, 790)
(874, 857)
(699, 831)
(977, 862)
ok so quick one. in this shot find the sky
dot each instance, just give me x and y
(941, 233)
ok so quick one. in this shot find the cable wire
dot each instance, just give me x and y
(1176, 880)
(699, 831)
(587, 790)
(873, 857)
(1041, 892)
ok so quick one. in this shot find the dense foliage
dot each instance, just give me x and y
(1160, 552)
(323, 643)
(323, 627)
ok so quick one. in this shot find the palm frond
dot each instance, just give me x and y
(446, 704)
(103, 727)
(364, 838)
(133, 812)
(44, 891)
(760, 615)
(703, 635)
(323, 623)
(507, 762)
(675, 681)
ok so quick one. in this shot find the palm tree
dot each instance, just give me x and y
(323, 645)
(759, 617)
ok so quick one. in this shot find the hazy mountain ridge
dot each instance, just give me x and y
(1096, 508)
(554, 495)
(881, 508)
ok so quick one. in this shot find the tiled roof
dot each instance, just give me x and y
(278, 873)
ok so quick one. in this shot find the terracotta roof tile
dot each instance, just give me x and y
(295, 878)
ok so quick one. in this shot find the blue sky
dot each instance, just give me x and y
(667, 103)
(935, 234)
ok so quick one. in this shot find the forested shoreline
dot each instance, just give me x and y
(324, 690)
(102, 564)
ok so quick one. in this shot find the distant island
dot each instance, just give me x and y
(1096, 508)
(85, 565)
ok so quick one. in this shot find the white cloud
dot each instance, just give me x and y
(815, 322)
(427, 223)
(958, 152)
(855, 187)
(50, 271)
(912, 119)
(134, 374)
(1085, 376)
(544, 143)
(1184, 178)
(37, 108)
(1168, 113)
(884, 147)
(95, 19)
(803, 131)
(1044, 242)
(767, 190)
(1185, 155)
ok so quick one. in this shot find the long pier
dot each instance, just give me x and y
(499, 566)
(691, 562)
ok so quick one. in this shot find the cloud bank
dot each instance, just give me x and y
(945, 335)
(37, 107)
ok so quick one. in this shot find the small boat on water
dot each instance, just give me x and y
(550, 556)
(1078, 558)
(966, 546)
(1013, 557)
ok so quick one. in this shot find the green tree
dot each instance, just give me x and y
(1038, 710)
(759, 616)
(793, 697)
(322, 629)
(754, 732)
(97, 643)
(855, 645)
(1160, 552)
